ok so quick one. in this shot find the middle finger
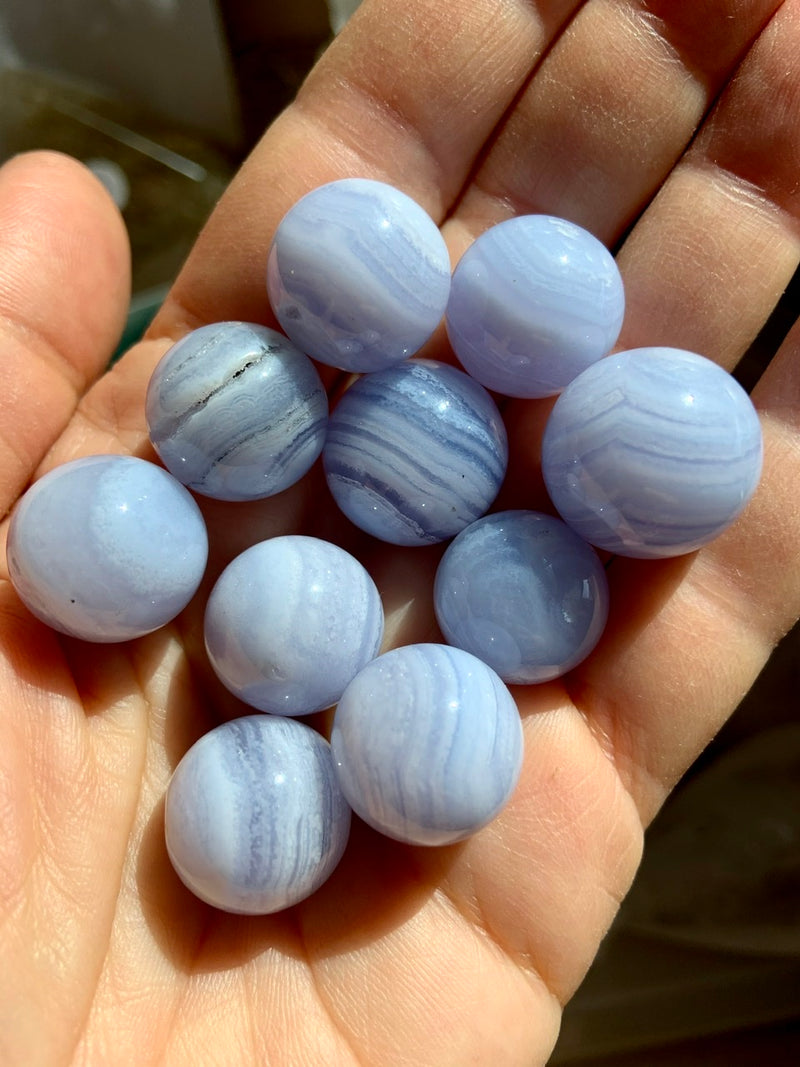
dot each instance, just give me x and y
(608, 113)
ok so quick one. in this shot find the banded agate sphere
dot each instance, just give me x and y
(255, 820)
(107, 548)
(524, 593)
(290, 621)
(427, 744)
(415, 453)
(358, 275)
(236, 412)
(652, 452)
(533, 302)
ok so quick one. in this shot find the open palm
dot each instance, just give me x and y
(675, 125)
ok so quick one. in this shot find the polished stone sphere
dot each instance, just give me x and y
(427, 744)
(533, 302)
(358, 275)
(107, 548)
(652, 452)
(415, 453)
(290, 621)
(236, 412)
(255, 820)
(521, 591)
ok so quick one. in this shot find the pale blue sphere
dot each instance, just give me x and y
(236, 412)
(652, 452)
(533, 302)
(415, 453)
(290, 621)
(427, 744)
(255, 820)
(107, 548)
(358, 275)
(524, 593)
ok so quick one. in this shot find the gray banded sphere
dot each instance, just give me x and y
(236, 412)
(652, 452)
(524, 593)
(358, 274)
(290, 621)
(427, 744)
(533, 302)
(255, 820)
(107, 548)
(415, 453)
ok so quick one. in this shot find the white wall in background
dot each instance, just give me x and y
(169, 56)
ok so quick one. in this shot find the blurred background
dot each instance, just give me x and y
(163, 99)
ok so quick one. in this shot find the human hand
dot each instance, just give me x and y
(413, 956)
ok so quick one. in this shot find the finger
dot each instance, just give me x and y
(610, 111)
(407, 97)
(709, 260)
(64, 279)
(687, 637)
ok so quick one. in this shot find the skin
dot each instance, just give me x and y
(671, 131)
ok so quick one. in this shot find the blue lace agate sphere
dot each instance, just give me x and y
(524, 593)
(533, 302)
(427, 744)
(255, 820)
(290, 621)
(358, 275)
(107, 548)
(652, 452)
(415, 453)
(236, 412)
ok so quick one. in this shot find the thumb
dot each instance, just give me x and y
(64, 284)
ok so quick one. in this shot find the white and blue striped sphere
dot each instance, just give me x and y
(290, 621)
(107, 548)
(533, 302)
(415, 453)
(427, 744)
(358, 275)
(236, 412)
(255, 820)
(652, 452)
(524, 593)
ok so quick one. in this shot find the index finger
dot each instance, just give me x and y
(405, 95)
